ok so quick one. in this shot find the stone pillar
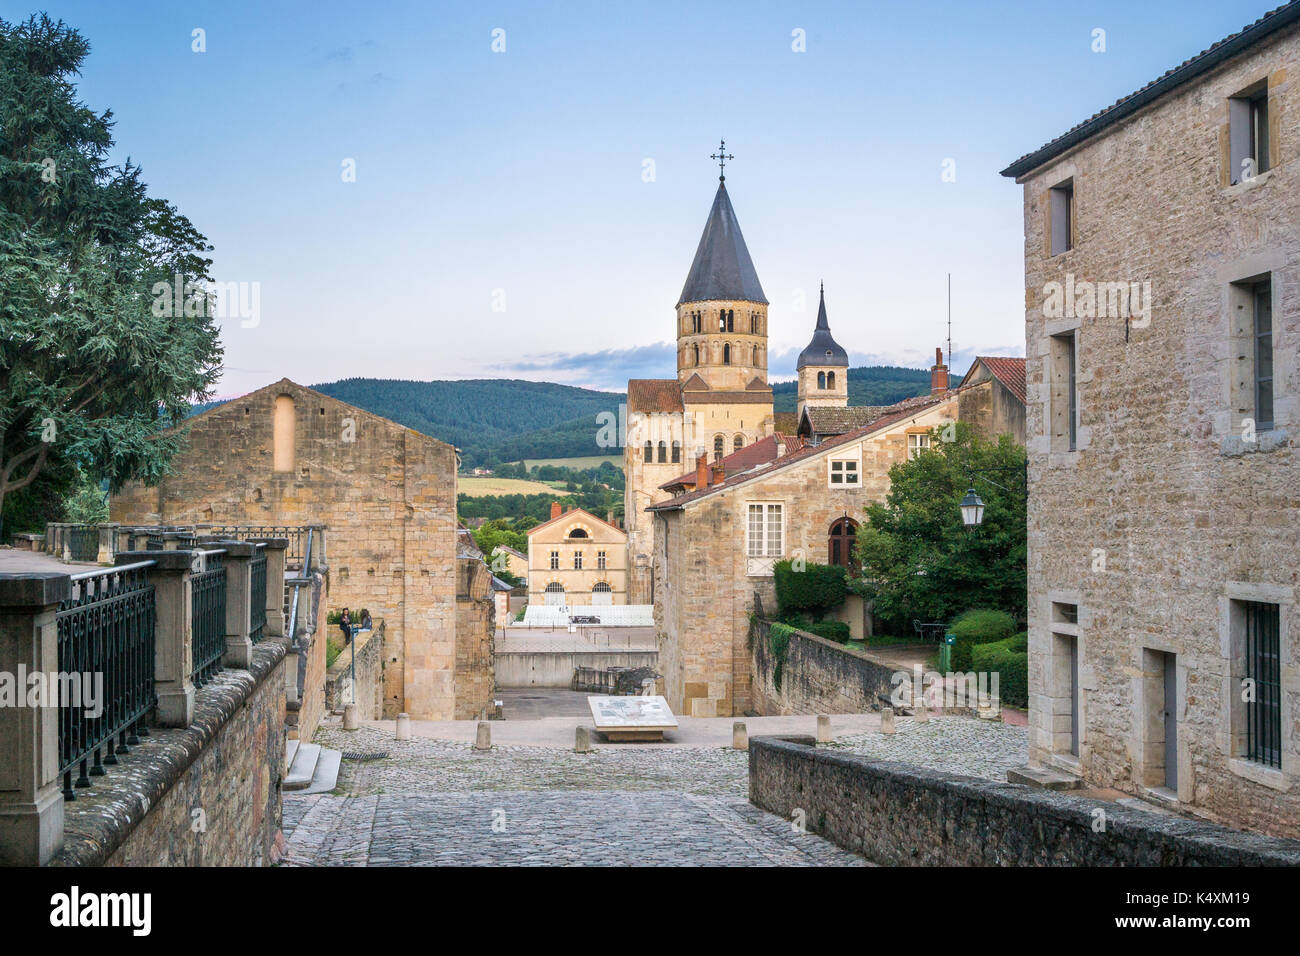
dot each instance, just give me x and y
(107, 542)
(582, 740)
(403, 726)
(483, 739)
(739, 736)
(350, 721)
(239, 594)
(824, 735)
(276, 548)
(173, 646)
(31, 803)
(887, 720)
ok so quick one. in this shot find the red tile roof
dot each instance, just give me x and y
(571, 513)
(654, 395)
(757, 453)
(1008, 370)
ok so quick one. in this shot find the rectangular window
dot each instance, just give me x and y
(600, 560)
(917, 442)
(764, 531)
(555, 560)
(1262, 686)
(1062, 217)
(577, 560)
(1262, 302)
(1065, 392)
(844, 473)
(1248, 133)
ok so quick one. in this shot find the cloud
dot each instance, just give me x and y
(609, 369)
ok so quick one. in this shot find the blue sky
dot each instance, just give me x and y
(515, 179)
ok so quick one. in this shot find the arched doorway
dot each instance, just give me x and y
(602, 593)
(554, 596)
(839, 542)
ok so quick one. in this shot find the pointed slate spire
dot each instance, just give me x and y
(823, 350)
(722, 268)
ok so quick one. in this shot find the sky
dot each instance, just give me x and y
(426, 190)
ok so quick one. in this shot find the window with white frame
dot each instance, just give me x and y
(917, 442)
(845, 473)
(600, 560)
(555, 560)
(577, 560)
(765, 530)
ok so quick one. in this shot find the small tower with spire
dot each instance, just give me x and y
(823, 368)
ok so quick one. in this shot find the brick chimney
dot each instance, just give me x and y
(719, 473)
(938, 374)
(555, 510)
(701, 472)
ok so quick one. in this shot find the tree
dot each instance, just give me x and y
(95, 364)
(919, 561)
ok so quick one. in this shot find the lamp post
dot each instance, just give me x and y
(972, 509)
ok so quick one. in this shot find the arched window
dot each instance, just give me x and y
(677, 452)
(697, 353)
(726, 355)
(738, 443)
(649, 452)
(602, 593)
(663, 452)
(282, 428)
(839, 543)
(719, 443)
(753, 323)
(821, 379)
(554, 595)
(722, 320)
(731, 320)
(578, 533)
(830, 379)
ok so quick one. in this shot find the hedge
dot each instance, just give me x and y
(831, 630)
(778, 642)
(979, 626)
(816, 589)
(1012, 668)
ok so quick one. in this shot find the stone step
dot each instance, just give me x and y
(303, 767)
(290, 751)
(326, 777)
(1044, 779)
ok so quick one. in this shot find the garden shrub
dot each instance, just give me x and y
(978, 626)
(816, 589)
(1012, 668)
(778, 642)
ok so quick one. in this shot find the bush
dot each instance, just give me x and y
(1018, 642)
(979, 626)
(816, 589)
(831, 630)
(1012, 668)
(778, 642)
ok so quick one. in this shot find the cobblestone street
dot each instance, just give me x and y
(437, 802)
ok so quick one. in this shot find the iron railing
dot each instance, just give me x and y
(83, 542)
(106, 637)
(1263, 665)
(257, 613)
(300, 537)
(208, 618)
(153, 541)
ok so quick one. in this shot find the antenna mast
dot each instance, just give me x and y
(950, 320)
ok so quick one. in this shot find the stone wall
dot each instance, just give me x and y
(1163, 520)
(556, 668)
(205, 795)
(475, 638)
(900, 815)
(817, 676)
(386, 493)
(368, 646)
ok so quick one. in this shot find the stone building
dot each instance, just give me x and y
(1162, 290)
(726, 526)
(286, 455)
(576, 558)
(720, 400)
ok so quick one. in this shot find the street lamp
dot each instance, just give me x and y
(972, 509)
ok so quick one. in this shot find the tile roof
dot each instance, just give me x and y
(835, 420)
(1188, 70)
(896, 413)
(654, 395)
(1007, 369)
(571, 513)
(755, 453)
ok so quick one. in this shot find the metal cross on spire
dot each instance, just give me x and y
(722, 156)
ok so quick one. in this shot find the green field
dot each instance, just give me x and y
(591, 461)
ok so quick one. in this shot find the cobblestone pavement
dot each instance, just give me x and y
(436, 802)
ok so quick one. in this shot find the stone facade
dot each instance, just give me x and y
(290, 456)
(1163, 518)
(557, 547)
(475, 634)
(705, 578)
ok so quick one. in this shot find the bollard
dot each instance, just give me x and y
(886, 720)
(350, 721)
(483, 739)
(403, 726)
(824, 735)
(739, 736)
(922, 714)
(582, 741)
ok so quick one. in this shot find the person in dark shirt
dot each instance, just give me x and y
(345, 624)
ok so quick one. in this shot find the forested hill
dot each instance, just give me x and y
(500, 420)
(491, 419)
(868, 385)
